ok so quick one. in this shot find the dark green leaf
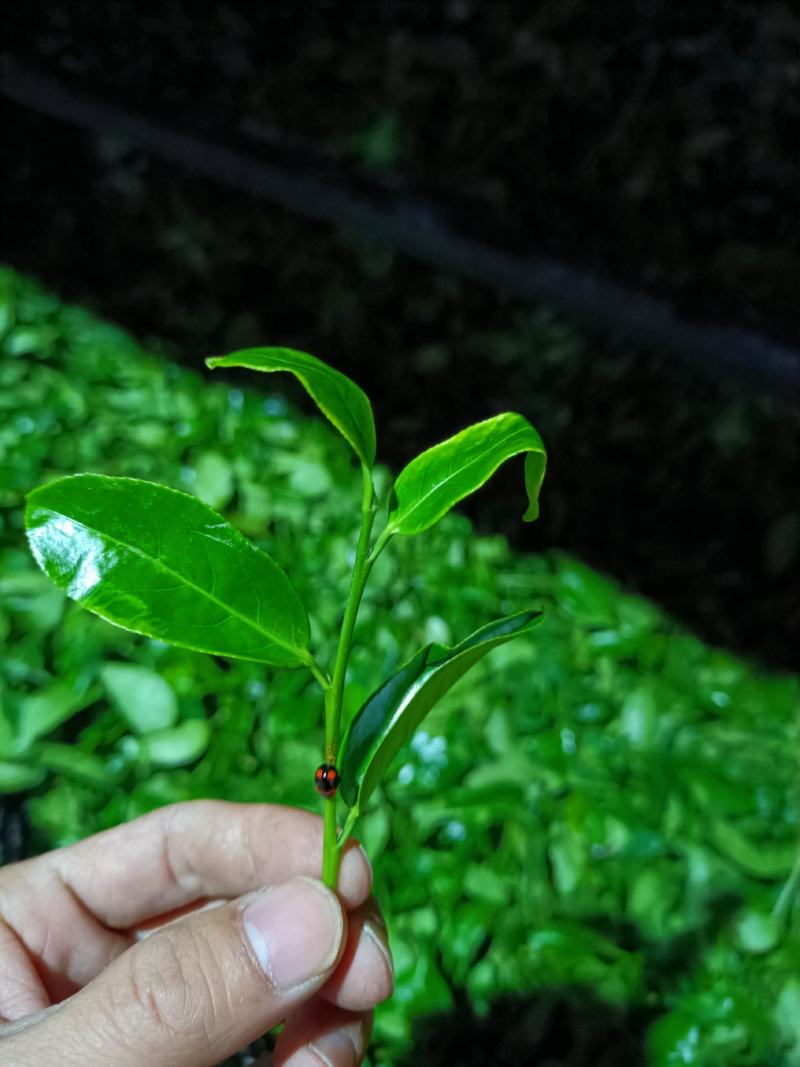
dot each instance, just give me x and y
(338, 398)
(391, 715)
(161, 563)
(437, 479)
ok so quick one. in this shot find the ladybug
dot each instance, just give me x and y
(326, 779)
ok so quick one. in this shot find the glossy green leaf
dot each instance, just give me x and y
(391, 715)
(142, 696)
(437, 479)
(338, 398)
(162, 563)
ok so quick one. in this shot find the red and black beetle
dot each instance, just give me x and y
(326, 779)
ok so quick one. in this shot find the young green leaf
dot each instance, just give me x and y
(337, 397)
(391, 715)
(178, 746)
(163, 564)
(146, 700)
(437, 479)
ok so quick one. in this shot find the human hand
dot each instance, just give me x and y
(156, 943)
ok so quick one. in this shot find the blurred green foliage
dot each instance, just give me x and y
(610, 806)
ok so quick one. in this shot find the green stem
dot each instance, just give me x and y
(381, 542)
(334, 692)
(344, 836)
(330, 853)
(357, 582)
(320, 675)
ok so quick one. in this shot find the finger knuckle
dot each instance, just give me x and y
(174, 988)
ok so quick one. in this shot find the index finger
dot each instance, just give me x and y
(182, 853)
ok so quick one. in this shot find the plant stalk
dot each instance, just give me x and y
(330, 853)
(335, 694)
(357, 583)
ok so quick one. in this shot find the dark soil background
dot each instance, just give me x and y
(642, 141)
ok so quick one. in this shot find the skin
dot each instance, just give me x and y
(130, 947)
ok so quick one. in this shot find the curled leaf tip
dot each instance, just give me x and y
(436, 480)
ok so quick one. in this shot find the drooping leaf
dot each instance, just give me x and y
(338, 398)
(144, 698)
(161, 563)
(437, 479)
(391, 715)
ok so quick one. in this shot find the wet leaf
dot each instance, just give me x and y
(161, 563)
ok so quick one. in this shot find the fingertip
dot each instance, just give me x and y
(355, 875)
(364, 975)
(295, 931)
(322, 1035)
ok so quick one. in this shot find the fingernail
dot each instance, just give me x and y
(337, 1048)
(376, 932)
(367, 860)
(295, 931)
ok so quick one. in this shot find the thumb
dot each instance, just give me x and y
(199, 989)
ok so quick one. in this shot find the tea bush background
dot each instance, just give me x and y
(600, 823)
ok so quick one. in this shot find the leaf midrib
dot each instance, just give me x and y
(175, 574)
